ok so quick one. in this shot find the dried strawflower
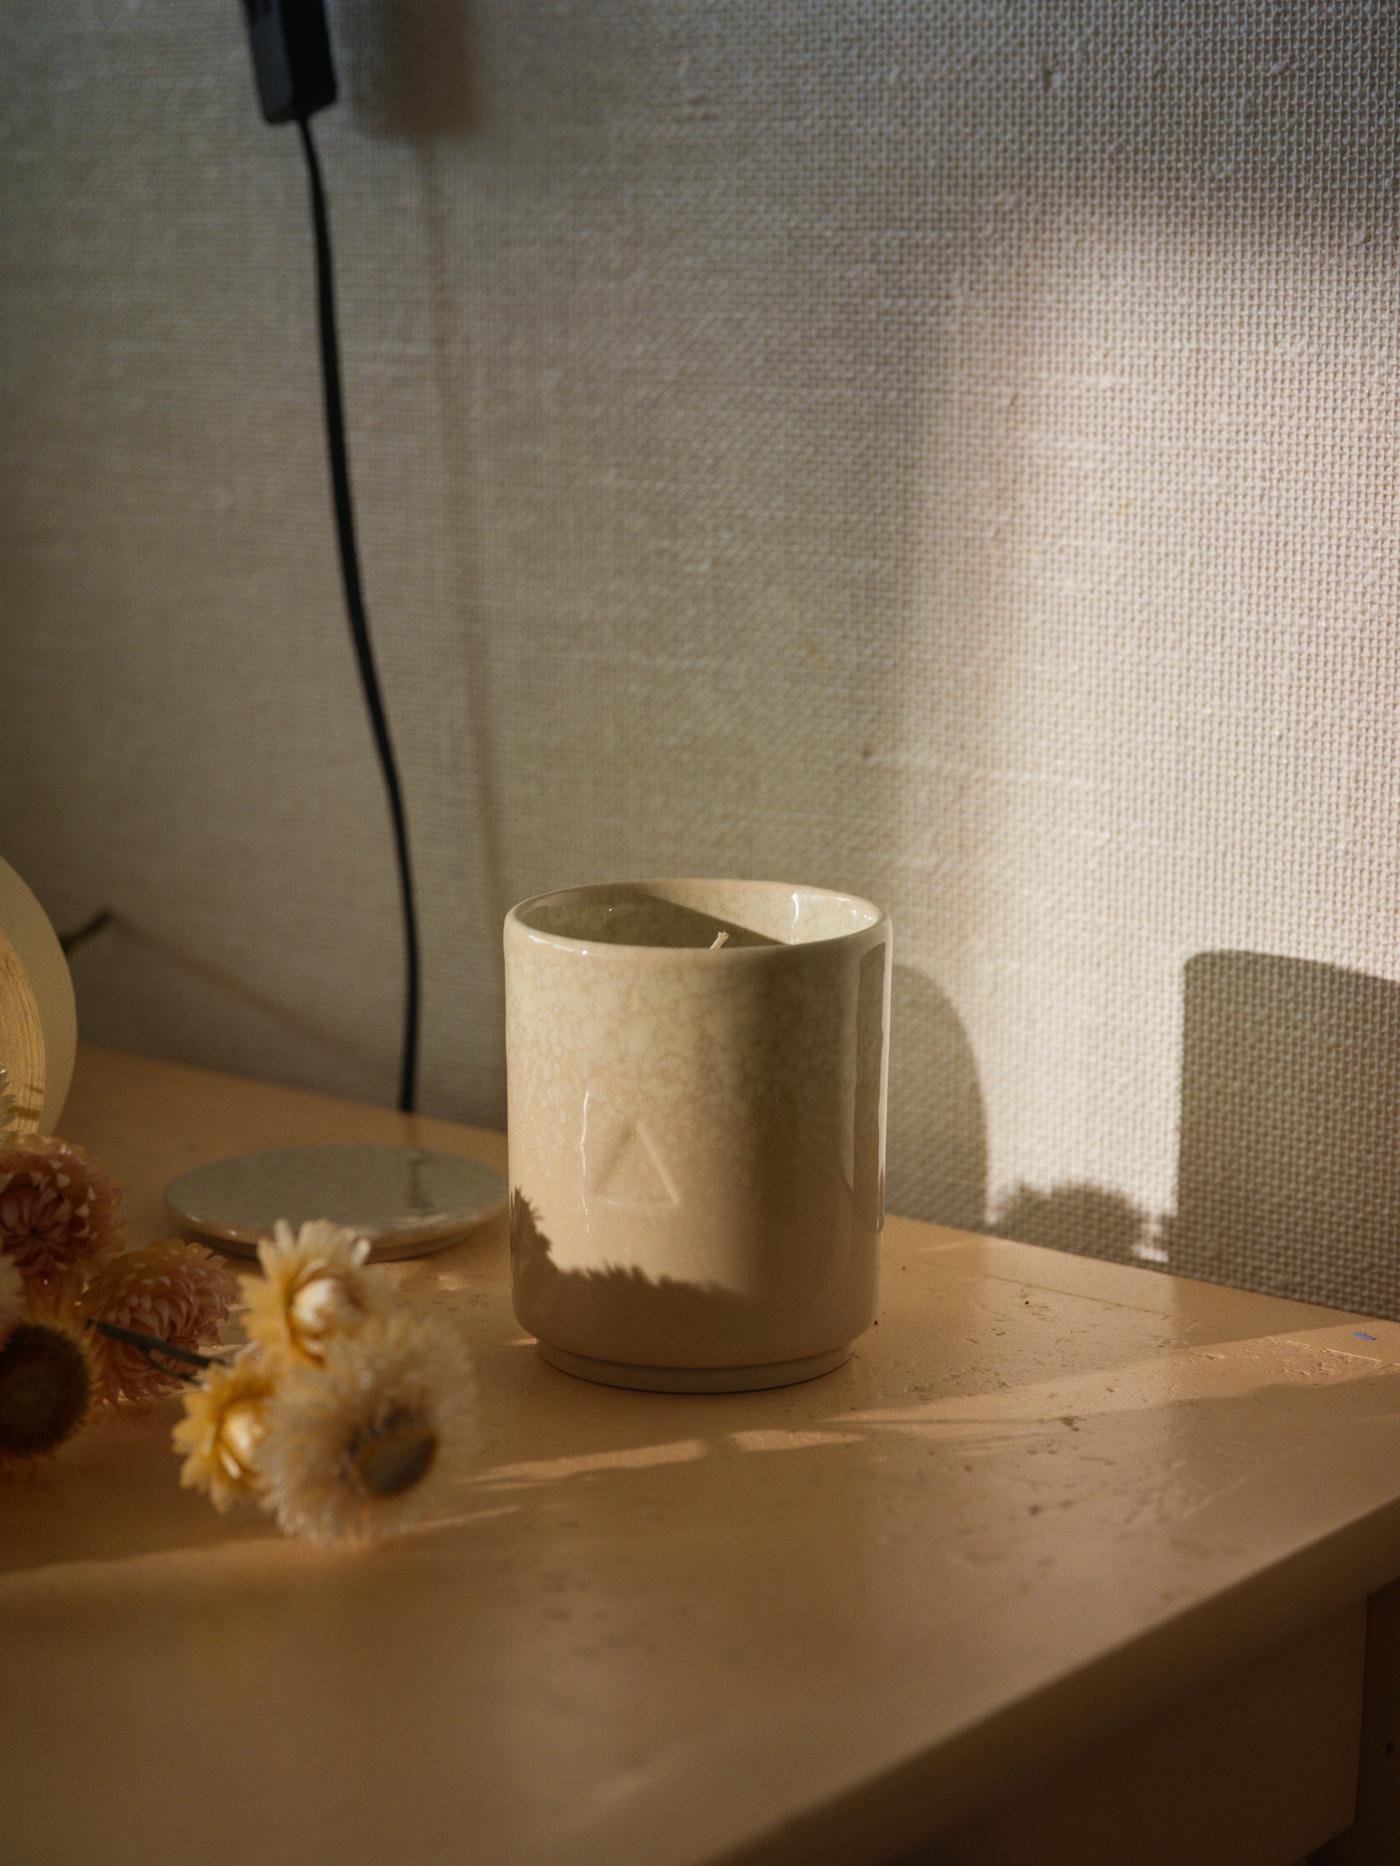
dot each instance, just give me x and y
(175, 1290)
(59, 1211)
(316, 1285)
(48, 1379)
(359, 1447)
(11, 1298)
(222, 1430)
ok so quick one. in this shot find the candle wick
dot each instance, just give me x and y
(720, 939)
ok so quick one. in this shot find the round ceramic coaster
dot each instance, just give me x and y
(405, 1200)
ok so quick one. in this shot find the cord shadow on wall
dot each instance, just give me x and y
(412, 74)
(1288, 1164)
(410, 70)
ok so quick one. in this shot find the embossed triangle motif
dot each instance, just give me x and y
(624, 1168)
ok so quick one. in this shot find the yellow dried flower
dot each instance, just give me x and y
(364, 1445)
(223, 1427)
(48, 1380)
(316, 1285)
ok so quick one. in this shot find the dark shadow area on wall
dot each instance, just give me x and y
(412, 69)
(1288, 1152)
(1288, 1164)
(1077, 1216)
(936, 1149)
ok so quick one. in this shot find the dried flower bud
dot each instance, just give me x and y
(60, 1213)
(316, 1286)
(222, 1431)
(175, 1290)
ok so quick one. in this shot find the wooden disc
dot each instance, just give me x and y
(38, 1018)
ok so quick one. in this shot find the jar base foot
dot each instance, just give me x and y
(696, 1379)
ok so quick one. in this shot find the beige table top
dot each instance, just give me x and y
(807, 1625)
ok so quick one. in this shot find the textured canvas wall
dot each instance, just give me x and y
(945, 450)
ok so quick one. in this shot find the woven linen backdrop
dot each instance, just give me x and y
(944, 450)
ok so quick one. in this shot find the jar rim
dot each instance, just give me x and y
(782, 901)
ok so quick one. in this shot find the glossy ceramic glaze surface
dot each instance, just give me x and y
(405, 1200)
(697, 1119)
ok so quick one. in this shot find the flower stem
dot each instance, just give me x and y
(152, 1345)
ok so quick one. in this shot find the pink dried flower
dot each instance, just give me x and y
(60, 1213)
(175, 1290)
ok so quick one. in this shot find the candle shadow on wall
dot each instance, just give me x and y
(1058, 756)
(937, 1139)
(1288, 1151)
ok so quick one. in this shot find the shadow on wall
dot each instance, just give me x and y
(1090, 1220)
(1288, 1162)
(1288, 1157)
(937, 1145)
(413, 74)
(1287, 1083)
(412, 69)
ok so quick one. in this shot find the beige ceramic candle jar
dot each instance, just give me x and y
(697, 1128)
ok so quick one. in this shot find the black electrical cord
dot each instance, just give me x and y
(355, 610)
